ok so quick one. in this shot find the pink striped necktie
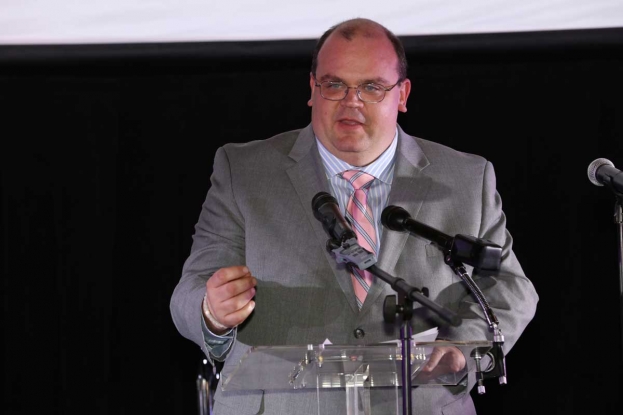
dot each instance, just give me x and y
(360, 216)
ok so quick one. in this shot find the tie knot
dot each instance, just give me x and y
(357, 178)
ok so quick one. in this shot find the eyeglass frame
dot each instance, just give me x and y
(386, 89)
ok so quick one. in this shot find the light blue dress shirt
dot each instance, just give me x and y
(383, 171)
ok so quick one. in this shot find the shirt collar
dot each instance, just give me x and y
(381, 168)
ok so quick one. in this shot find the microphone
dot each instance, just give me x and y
(343, 242)
(482, 254)
(602, 172)
(327, 211)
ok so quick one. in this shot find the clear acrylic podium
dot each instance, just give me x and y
(359, 373)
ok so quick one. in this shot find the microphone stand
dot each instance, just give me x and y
(406, 296)
(618, 220)
(610, 180)
(354, 256)
(404, 308)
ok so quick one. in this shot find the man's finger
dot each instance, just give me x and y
(434, 359)
(238, 316)
(225, 275)
(233, 304)
(225, 292)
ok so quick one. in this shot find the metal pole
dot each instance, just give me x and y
(405, 335)
(618, 220)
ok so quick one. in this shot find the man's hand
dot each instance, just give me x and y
(230, 293)
(443, 359)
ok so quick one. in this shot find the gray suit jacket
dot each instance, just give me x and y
(258, 213)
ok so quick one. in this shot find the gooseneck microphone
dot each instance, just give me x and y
(601, 172)
(482, 254)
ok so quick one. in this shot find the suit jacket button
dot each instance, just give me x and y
(359, 333)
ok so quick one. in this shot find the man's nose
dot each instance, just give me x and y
(352, 98)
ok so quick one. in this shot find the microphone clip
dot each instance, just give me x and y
(497, 366)
(350, 252)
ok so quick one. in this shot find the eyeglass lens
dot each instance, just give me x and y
(337, 91)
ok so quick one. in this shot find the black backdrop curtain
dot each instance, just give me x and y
(106, 157)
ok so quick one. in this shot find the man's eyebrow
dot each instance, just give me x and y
(331, 77)
(377, 80)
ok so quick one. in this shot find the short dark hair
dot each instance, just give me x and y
(351, 28)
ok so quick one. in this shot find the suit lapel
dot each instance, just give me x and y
(409, 189)
(308, 178)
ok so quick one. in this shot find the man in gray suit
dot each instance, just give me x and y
(259, 272)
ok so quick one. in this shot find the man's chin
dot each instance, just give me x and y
(352, 143)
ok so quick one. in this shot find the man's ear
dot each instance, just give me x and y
(312, 86)
(405, 90)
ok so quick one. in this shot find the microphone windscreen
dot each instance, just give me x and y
(594, 166)
(393, 218)
(321, 199)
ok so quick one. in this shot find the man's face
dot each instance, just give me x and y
(356, 131)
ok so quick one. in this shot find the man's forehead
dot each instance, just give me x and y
(358, 60)
(356, 38)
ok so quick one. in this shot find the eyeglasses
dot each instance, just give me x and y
(368, 92)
